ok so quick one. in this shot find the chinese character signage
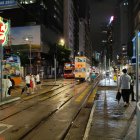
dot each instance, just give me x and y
(4, 30)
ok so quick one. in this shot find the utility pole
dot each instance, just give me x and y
(30, 57)
(28, 39)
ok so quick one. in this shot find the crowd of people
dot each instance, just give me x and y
(33, 83)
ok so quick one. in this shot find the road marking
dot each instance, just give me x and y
(4, 127)
(83, 94)
(9, 101)
(92, 96)
(86, 135)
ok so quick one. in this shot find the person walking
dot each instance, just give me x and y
(132, 87)
(5, 85)
(38, 81)
(27, 81)
(124, 86)
(33, 83)
(9, 85)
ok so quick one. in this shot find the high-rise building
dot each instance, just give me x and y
(46, 16)
(77, 27)
(69, 26)
(85, 45)
(121, 36)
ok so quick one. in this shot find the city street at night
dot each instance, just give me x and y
(69, 69)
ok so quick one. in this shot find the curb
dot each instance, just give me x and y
(9, 101)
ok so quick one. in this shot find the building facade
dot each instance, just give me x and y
(46, 14)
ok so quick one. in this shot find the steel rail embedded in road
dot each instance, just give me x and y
(28, 107)
(80, 108)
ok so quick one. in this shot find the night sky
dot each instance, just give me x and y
(101, 11)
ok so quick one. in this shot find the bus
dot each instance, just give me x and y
(82, 68)
(12, 68)
(69, 70)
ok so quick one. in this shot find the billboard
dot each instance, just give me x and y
(19, 36)
(6, 4)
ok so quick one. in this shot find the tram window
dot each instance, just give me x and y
(82, 70)
(84, 59)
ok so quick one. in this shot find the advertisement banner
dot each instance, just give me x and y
(25, 35)
(4, 4)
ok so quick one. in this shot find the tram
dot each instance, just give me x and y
(82, 68)
(69, 70)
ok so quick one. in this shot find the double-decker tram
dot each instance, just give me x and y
(12, 68)
(69, 70)
(82, 68)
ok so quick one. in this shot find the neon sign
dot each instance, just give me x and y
(4, 30)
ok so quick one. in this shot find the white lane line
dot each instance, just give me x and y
(86, 135)
(4, 127)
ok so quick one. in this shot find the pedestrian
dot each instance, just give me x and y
(124, 86)
(38, 81)
(5, 86)
(9, 85)
(115, 77)
(12, 81)
(33, 83)
(132, 87)
(27, 81)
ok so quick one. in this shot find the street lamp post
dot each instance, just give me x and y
(61, 43)
(30, 51)
(30, 58)
(55, 66)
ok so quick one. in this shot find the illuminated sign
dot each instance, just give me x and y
(4, 3)
(4, 30)
(8, 4)
(80, 65)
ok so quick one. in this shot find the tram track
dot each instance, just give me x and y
(38, 123)
(78, 112)
(5, 106)
(46, 118)
(49, 96)
(41, 122)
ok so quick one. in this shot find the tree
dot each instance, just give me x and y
(61, 53)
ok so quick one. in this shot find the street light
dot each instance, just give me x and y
(28, 39)
(61, 42)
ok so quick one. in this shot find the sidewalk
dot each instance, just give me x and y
(110, 120)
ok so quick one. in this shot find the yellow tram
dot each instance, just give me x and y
(82, 68)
